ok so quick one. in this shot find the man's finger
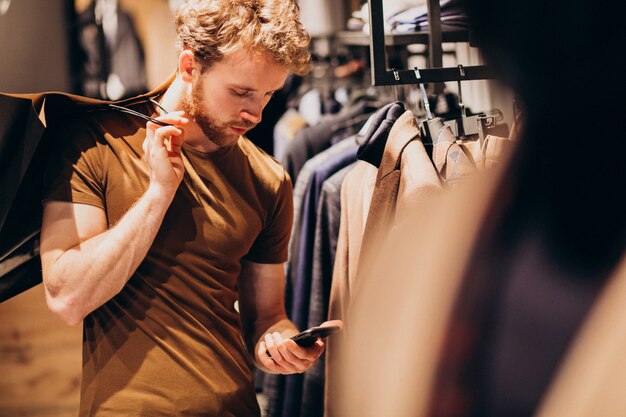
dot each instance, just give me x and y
(173, 117)
(273, 340)
(268, 361)
(297, 350)
(175, 143)
(287, 352)
(264, 356)
(271, 347)
(163, 133)
(299, 365)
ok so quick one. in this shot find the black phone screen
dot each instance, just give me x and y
(308, 337)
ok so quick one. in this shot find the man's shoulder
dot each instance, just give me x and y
(104, 127)
(75, 130)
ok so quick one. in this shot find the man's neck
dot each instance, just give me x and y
(172, 100)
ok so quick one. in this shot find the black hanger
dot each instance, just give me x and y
(136, 113)
(430, 127)
(463, 127)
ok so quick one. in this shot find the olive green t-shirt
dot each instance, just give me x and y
(170, 342)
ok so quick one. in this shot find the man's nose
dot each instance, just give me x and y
(253, 113)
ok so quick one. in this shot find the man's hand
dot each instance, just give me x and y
(266, 328)
(162, 151)
(285, 356)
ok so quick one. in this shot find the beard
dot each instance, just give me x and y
(215, 130)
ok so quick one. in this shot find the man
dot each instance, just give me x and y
(153, 234)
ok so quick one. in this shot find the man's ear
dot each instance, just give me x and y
(186, 60)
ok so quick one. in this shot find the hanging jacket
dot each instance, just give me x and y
(112, 61)
(403, 179)
(24, 147)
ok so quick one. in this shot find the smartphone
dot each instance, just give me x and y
(308, 337)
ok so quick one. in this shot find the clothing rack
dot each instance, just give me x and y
(435, 74)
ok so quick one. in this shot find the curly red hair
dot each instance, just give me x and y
(215, 28)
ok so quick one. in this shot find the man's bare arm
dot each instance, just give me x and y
(84, 263)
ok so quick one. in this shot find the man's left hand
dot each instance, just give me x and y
(285, 355)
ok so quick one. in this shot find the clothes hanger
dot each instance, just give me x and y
(429, 114)
(135, 113)
(475, 127)
(431, 126)
(466, 127)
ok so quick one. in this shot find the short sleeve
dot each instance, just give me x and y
(271, 246)
(74, 171)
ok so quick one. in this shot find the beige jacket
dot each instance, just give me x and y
(405, 178)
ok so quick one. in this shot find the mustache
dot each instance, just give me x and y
(243, 124)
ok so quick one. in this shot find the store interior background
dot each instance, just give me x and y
(40, 357)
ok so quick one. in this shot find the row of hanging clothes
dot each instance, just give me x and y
(358, 170)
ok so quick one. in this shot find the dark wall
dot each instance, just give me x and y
(34, 39)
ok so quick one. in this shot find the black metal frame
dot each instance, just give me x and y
(435, 74)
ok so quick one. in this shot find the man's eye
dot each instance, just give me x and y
(239, 93)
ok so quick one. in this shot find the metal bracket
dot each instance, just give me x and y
(378, 57)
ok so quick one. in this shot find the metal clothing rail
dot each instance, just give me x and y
(381, 75)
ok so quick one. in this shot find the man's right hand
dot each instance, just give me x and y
(162, 152)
